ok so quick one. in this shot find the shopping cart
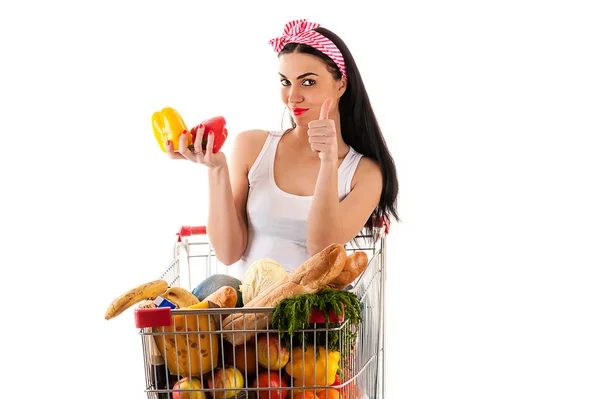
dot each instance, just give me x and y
(209, 366)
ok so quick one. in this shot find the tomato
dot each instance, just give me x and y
(262, 381)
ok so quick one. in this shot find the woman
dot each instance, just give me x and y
(287, 195)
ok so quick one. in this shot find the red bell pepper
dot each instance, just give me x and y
(217, 125)
(337, 382)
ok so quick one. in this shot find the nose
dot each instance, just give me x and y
(295, 95)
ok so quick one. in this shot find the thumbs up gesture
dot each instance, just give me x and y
(322, 135)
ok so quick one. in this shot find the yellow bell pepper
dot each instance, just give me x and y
(168, 125)
(310, 370)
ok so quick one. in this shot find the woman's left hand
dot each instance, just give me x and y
(322, 135)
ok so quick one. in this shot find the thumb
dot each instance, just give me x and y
(325, 108)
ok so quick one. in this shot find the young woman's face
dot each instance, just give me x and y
(305, 85)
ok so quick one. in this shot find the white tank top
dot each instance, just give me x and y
(277, 219)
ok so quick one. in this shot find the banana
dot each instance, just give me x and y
(180, 297)
(148, 290)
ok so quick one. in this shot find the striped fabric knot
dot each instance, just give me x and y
(301, 31)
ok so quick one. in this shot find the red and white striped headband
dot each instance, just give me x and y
(301, 31)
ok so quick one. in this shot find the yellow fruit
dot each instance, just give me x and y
(148, 290)
(180, 297)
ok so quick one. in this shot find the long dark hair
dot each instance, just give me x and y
(360, 129)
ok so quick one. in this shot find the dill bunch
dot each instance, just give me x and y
(291, 316)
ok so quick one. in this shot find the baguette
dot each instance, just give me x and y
(355, 265)
(312, 276)
(224, 297)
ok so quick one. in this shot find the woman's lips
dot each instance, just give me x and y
(299, 111)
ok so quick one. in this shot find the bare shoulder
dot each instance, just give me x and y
(247, 145)
(368, 171)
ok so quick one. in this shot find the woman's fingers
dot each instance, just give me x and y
(187, 153)
(198, 141)
(209, 147)
(171, 152)
(206, 157)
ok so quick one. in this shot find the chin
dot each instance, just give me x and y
(301, 120)
(303, 124)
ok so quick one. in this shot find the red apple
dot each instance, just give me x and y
(184, 383)
(270, 353)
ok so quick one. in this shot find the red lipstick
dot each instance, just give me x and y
(299, 111)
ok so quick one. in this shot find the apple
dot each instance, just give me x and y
(184, 383)
(229, 377)
(270, 353)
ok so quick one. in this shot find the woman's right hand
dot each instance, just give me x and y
(208, 158)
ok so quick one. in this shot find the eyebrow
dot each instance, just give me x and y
(301, 76)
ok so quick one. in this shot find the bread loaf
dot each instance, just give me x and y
(224, 297)
(313, 275)
(355, 265)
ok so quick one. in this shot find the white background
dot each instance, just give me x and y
(490, 109)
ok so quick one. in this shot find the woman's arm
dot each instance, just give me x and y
(331, 221)
(227, 225)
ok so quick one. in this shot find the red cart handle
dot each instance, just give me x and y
(381, 222)
(186, 231)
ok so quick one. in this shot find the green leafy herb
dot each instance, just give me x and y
(291, 317)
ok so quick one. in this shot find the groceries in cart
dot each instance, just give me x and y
(294, 337)
(259, 277)
(168, 125)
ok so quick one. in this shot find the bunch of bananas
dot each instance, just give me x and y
(149, 291)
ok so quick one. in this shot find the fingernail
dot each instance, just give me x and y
(211, 132)
(200, 126)
(184, 132)
(168, 143)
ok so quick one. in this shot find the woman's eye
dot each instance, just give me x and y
(285, 82)
(308, 82)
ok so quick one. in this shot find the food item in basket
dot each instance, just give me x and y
(266, 379)
(217, 125)
(149, 290)
(313, 366)
(167, 125)
(314, 274)
(260, 276)
(305, 394)
(356, 263)
(193, 353)
(212, 283)
(224, 297)
(271, 353)
(328, 393)
(180, 297)
(242, 357)
(337, 381)
(291, 315)
(229, 377)
(184, 383)
(350, 390)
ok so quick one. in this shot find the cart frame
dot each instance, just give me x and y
(364, 372)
